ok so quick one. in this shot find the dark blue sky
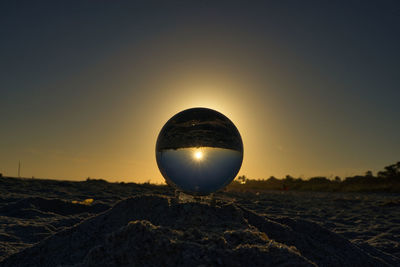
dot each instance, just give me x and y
(85, 86)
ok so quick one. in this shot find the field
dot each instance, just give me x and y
(63, 223)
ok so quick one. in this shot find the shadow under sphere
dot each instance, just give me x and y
(199, 151)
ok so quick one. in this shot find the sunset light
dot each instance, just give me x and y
(198, 155)
(186, 133)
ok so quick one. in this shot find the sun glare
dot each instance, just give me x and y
(198, 155)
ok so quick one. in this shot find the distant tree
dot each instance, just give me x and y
(337, 179)
(272, 178)
(289, 178)
(242, 179)
(1, 175)
(368, 174)
(390, 171)
(318, 180)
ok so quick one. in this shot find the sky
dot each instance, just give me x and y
(85, 86)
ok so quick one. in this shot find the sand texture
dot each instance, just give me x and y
(48, 223)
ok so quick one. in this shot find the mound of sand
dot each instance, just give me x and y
(156, 230)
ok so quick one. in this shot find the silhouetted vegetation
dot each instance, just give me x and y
(387, 180)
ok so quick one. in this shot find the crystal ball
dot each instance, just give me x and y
(199, 151)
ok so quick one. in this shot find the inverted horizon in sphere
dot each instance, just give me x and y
(199, 127)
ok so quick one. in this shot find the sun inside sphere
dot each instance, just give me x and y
(199, 151)
(198, 155)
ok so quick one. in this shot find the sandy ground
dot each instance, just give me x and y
(49, 223)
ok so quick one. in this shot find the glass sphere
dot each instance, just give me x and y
(199, 151)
